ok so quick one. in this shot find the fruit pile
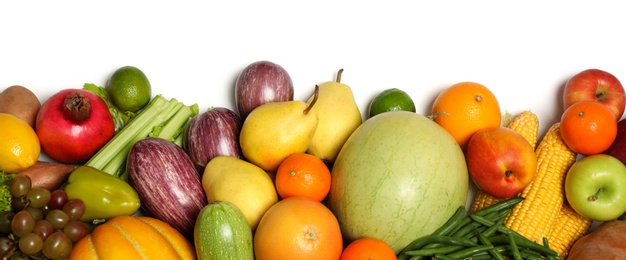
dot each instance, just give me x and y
(129, 174)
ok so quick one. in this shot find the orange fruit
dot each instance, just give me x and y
(298, 228)
(367, 248)
(303, 175)
(464, 108)
(588, 127)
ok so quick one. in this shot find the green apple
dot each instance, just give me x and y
(595, 187)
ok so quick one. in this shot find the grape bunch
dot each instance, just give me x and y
(43, 224)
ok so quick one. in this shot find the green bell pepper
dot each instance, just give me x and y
(104, 195)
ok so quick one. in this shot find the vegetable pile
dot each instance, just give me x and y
(168, 180)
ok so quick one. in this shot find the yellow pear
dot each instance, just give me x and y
(338, 115)
(228, 178)
(275, 130)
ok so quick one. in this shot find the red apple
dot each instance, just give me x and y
(596, 85)
(500, 161)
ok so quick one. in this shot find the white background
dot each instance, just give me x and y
(524, 51)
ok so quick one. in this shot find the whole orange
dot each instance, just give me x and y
(367, 248)
(304, 175)
(464, 108)
(588, 127)
(298, 228)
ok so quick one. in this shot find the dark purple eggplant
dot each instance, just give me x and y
(212, 133)
(168, 185)
(259, 83)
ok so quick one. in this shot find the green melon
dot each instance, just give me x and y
(398, 177)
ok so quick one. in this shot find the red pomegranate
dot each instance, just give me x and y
(73, 124)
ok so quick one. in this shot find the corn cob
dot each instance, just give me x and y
(534, 217)
(569, 227)
(527, 124)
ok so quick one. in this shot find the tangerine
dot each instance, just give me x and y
(588, 127)
(298, 228)
(302, 174)
(464, 108)
(368, 248)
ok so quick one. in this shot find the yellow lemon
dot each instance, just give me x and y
(19, 144)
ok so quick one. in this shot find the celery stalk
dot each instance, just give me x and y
(161, 114)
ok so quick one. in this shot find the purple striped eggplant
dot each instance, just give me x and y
(212, 133)
(167, 182)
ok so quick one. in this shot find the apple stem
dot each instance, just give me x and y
(338, 79)
(508, 173)
(316, 93)
(594, 197)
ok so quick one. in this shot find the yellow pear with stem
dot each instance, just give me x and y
(338, 115)
(275, 130)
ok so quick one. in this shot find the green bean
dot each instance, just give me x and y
(502, 229)
(530, 256)
(469, 226)
(463, 253)
(547, 245)
(466, 229)
(514, 249)
(493, 228)
(466, 220)
(485, 241)
(528, 251)
(434, 251)
(452, 222)
(443, 257)
(479, 257)
(522, 242)
(505, 204)
(501, 214)
(425, 240)
(445, 229)
(473, 235)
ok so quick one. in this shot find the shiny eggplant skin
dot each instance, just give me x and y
(167, 182)
(259, 83)
(212, 133)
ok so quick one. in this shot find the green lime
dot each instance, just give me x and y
(392, 99)
(129, 89)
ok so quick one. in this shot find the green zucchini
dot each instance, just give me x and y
(222, 232)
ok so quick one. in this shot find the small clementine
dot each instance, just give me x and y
(588, 127)
(298, 228)
(464, 108)
(368, 248)
(304, 175)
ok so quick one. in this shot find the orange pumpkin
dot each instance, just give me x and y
(133, 237)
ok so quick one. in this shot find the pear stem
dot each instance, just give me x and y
(338, 79)
(316, 93)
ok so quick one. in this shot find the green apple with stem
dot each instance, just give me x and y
(595, 187)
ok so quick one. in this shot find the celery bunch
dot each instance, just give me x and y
(161, 118)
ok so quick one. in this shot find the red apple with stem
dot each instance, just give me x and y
(500, 161)
(596, 85)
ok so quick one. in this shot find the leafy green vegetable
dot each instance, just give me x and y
(120, 118)
(5, 194)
